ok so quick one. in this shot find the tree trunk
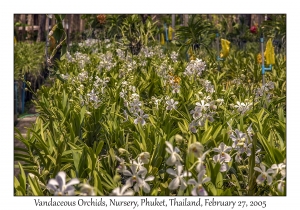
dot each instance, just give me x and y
(144, 17)
(77, 27)
(248, 20)
(68, 23)
(185, 19)
(23, 32)
(229, 21)
(256, 19)
(41, 32)
(81, 24)
(16, 29)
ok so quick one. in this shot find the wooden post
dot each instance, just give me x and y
(47, 40)
(173, 26)
(30, 27)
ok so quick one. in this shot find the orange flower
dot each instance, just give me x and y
(101, 19)
(177, 79)
(259, 58)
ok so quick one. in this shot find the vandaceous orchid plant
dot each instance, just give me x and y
(153, 124)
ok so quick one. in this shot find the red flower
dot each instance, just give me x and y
(253, 29)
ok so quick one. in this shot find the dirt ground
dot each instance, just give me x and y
(22, 124)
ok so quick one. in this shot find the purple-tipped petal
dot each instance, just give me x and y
(217, 150)
(216, 158)
(149, 178)
(174, 184)
(171, 160)
(170, 147)
(270, 171)
(257, 169)
(263, 167)
(269, 180)
(179, 169)
(224, 167)
(171, 172)
(192, 182)
(128, 193)
(127, 173)
(227, 149)
(53, 182)
(146, 188)
(200, 175)
(72, 182)
(260, 179)
(226, 157)
(183, 184)
(61, 179)
(136, 187)
(194, 191)
(206, 179)
(222, 146)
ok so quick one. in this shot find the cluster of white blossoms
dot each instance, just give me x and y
(171, 104)
(243, 107)
(106, 61)
(195, 68)
(242, 144)
(204, 110)
(58, 186)
(133, 103)
(134, 174)
(147, 52)
(275, 172)
(264, 91)
(180, 182)
(174, 56)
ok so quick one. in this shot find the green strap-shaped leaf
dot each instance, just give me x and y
(35, 186)
(82, 112)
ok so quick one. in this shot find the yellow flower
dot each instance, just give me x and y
(191, 54)
(162, 39)
(170, 31)
(52, 43)
(225, 48)
(269, 53)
